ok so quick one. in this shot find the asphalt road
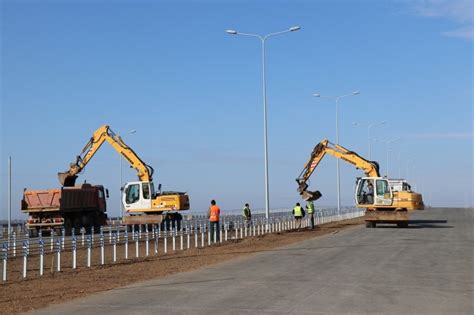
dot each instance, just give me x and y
(424, 269)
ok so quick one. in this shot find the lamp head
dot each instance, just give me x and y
(355, 92)
(295, 28)
(317, 95)
(231, 32)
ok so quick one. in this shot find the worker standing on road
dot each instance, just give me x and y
(298, 213)
(213, 215)
(247, 215)
(310, 210)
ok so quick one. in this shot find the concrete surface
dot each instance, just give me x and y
(425, 269)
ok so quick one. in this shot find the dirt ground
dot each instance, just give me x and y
(19, 295)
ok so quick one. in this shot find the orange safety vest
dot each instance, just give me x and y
(214, 213)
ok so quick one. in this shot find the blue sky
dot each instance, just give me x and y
(193, 93)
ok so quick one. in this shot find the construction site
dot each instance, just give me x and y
(134, 179)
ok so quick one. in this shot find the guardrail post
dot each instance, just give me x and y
(195, 236)
(165, 241)
(83, 231)
(25, 257)
(110, 234)
(89, 249)
(41, 256)
(58, 253)
(126, 242)
(203, 228)
(63, 236)
(92, 234)
(147, 239)
(181, 239)
(102, 254)
(188, 236)
(14, 243)
(74, 251)
(5, 259)
(137, 251)
(114, 244)
(157, 238)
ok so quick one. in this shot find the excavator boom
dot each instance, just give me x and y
(371, 168)
(104, 133)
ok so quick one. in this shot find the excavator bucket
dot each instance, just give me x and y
(67, 180)
(310, 195)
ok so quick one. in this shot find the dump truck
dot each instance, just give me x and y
(385, 200)
(67, 207)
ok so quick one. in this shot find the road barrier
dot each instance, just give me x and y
(232, 227)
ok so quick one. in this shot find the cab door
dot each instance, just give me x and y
(383, 194)
(136, 196)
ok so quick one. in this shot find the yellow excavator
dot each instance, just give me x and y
(383, 203)
(142, 203)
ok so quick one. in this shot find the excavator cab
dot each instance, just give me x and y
(373, 191)
(137, 195)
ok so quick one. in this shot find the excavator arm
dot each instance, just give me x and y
(371, 168)
(104, 133)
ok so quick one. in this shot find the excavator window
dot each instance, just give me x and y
(133, 193)
(146, 191)
(382, 188)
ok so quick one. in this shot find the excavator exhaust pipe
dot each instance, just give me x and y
(67, 180)
(310, 195)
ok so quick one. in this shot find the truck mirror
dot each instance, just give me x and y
(159, 187)
(107, 193)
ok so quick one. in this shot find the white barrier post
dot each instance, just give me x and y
(58, 253)
(203, 227)
(74, 251)
(173, 232)
(83, 231)
(41, 256)
(63, 236)
(165, 242)
(5, 258)
(181, 239)
(241, 231)
(25, 257)
(220, 233)
(126, 242)
(188, 231)
(226, 227)
(92, 234)
(110, 234)
(89, 248)
(137, 252)
(157, 237)
(195, 230)
(147, 242)
(114, 244)
(14, 244)
(102, 254)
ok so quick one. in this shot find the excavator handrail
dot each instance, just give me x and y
(371, 168)
(104, 133)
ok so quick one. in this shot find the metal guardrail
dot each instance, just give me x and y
(112, 238)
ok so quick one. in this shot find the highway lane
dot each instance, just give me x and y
(424, 269)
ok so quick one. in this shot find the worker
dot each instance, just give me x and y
(247, 215)
(298, 214)
(213, 215)
(310, 210)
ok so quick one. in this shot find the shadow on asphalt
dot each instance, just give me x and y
(420, 224)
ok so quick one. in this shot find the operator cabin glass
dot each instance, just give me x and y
(146, 191)
(133, 193)
(382, 188)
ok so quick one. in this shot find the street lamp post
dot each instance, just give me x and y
(337, 98)
(120, 188)
(265, 138)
